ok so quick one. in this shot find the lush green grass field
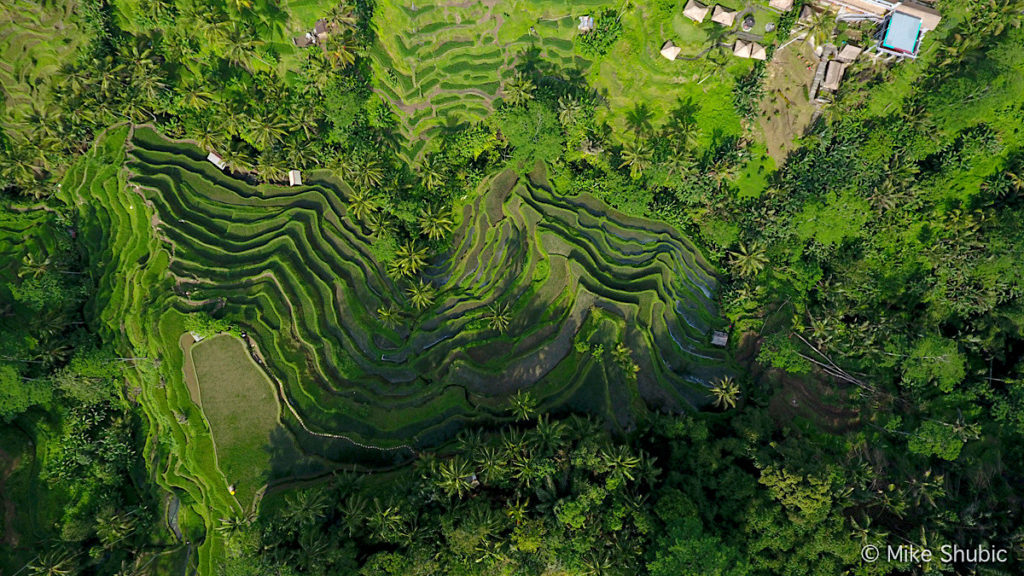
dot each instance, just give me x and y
(240, 404)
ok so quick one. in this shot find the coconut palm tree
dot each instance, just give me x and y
(389, 315)
(749, 260)
(409, 259)
(435, 223)
(638, 119)
(492, 466)
(421, 295)
(498, 317)
(430, 171)
(343, 16)
(637, 156)
(378, 222)
(519, 90)
(341, 49)
(619, 461)
(522, 405)
(52, 563)
(726, 392)
(455, 476)
(362, 203)
(569, 109)
(820, 27)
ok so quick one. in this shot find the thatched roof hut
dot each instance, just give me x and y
(723, 16)
(757, 52)
(695, 11)
(833, 75)
(216, 160)
(781, 5)
(849, 53)
(741, 49)
(670, 51)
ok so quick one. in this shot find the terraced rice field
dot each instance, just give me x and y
(34, 43)
(291, 266)
(169, 234)
(437, 60)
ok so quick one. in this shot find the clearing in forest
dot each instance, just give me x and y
(241, 406)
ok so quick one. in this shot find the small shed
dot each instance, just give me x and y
(586, 24)
(216, 160)
(719, 338)
(670, 51)
(849, 53)
(294, 178)
(695, 11)
(781, 5)
(741, 49)
(304, 41)
(833, 75)
(929, 17)
(320, 28)
(757, 52)
(723, 16)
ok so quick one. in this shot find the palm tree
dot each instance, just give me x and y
(430, 172)
(455, 477)
(343, 15)
(52, 563)
(435, 223)
(517, 512)
(749, 260)
(522, 405)
(568, 110)
(421, 295)
(637, 157)
(362, 203)
(340, 49)
(386, 522)
(638, 119)
(498, 317)
(519, 90)
(820, 27)
(620, 462)
(378, 223)
(549, 434)
(267, 130)
(409, 260)
(726, 392)
(491, 464)
(389, 315)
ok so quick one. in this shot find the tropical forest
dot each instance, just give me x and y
(511, 287)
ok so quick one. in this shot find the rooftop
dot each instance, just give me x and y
(902, 33)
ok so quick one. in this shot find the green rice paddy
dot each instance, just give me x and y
(170, 235)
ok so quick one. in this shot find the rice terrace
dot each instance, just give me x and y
(510, 287)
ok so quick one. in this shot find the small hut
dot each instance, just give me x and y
(670, 51)
(723, 16)
(741, 49)
(833, 75)
(719, 338)
(294, 178)
(757, 52)
(849, 53)
(781, 5)
(304, 41)
(216, 160)
(695, 11)
(320, 30)
(586, 24)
